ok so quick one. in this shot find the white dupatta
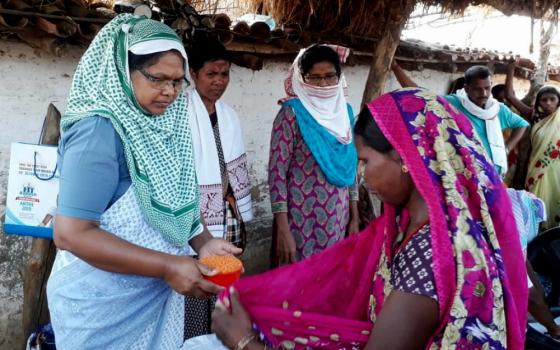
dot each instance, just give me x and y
(208, 164)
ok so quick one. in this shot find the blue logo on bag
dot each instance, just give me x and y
(27, 197)
(28, 191)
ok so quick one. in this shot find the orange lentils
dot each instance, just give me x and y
(223, 263)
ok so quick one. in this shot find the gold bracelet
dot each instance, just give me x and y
(245, 341)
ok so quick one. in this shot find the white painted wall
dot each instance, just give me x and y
(30, 80)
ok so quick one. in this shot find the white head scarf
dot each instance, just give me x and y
(327, 104)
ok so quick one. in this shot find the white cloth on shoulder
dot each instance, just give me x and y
(208, 164)
(493, 126)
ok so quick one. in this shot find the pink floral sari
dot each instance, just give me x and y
(331, 300)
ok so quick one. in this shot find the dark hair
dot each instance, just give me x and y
(456, 84)
(206, 48)
(545, 90)
(497, 89)
(476, 73)
(367, 128)
(316, 54)
(138, 62)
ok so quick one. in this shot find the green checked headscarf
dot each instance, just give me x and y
(158, 149)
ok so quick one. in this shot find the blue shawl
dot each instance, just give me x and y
(338, 162)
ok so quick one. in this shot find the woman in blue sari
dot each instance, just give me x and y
(128, 202)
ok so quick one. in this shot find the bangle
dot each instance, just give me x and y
(245, 341)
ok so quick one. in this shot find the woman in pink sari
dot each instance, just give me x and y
(436, 271)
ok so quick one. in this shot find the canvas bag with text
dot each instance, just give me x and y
(32, 190)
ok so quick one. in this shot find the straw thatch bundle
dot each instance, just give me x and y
(368, 17)
(364, 17)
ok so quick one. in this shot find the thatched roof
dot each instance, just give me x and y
(52, 24)
(367, 17)
(357, 21)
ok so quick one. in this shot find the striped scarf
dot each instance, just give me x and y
(158, 149)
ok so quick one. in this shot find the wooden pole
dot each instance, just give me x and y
(378, 72)
(384, 51)
(41, 258)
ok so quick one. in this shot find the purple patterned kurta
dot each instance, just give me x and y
(318, 212)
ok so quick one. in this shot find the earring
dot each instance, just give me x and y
(362, 170)
(404, 169)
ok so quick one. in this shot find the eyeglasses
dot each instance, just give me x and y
(330, 79)
(161, 84)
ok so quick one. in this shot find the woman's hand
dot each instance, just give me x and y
(217, 246)
(525, 110)
(185, 275)
(353, 226)
(230, 320)
(285, 245)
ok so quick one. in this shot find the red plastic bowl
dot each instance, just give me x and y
(225, 279)
(228, 266)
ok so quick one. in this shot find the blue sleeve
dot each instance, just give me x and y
(451, 98)
(89, 168)
(510, 120)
